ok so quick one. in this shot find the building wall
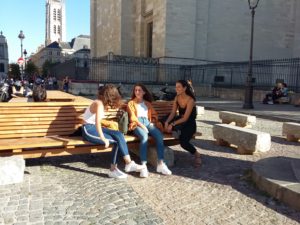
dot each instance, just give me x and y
(3, 57)
(206, 29)
(105, 27)
(51, 21)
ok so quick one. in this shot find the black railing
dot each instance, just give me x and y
(125, 69)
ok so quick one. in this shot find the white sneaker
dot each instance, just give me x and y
(270, 102)
(162, 168)
(133, 167)
(144, 173)
(116, 173)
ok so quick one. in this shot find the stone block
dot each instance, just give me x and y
(200, 110)
(11, 170)
(291, 131)
(152, 155)
(247, 141)
(238, 119)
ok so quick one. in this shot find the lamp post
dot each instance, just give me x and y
(248, 104)
(21, 36)
(25, 54)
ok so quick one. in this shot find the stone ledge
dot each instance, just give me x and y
(277, 177)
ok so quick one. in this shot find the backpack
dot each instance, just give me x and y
(122, 119)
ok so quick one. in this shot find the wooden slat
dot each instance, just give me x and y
(54, 141)
(28, 154)
(3, 125)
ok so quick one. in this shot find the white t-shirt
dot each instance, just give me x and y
(142, 110)
(89, 117)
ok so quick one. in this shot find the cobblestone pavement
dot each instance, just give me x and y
(76, 190)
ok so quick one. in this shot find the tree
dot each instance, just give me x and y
(47, 67)
(14, 71)
(31, 68)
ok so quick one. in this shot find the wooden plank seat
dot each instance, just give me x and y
(44, 129)
(246, 140)
(238, 119)
(291, 130)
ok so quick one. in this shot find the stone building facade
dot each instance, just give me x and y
(55, 21)
(3, 56)
(198, 29)
(60, 52)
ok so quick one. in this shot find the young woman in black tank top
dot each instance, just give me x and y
(185, 123)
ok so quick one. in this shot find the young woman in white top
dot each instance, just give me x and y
(108, 97)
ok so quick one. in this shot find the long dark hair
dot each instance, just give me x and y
(189, 88)
(110, 96)
(147, 96)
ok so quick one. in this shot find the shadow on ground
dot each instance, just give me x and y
(225, 171)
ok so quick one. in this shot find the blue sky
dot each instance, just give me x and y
(29, 16)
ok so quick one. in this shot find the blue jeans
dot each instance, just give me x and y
(143, 136)
(115, 137)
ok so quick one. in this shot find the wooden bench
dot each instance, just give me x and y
(238, 119)
(43, 129)
(291, 131)
(246, 140)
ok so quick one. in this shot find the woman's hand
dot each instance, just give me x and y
(144, 127)
(169, 128)
(106, 142)
(166, 126)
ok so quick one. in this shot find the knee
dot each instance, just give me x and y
(144, 139)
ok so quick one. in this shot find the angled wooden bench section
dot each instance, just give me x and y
(43, 129)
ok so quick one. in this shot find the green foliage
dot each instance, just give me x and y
(31, 68)
(14, 71)
(47, 67)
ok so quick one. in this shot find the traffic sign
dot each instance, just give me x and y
(20, 61)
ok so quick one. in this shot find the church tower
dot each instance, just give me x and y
(55, 21)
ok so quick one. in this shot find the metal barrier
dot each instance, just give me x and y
(166, 70)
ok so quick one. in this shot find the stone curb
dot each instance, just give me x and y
(276, 177)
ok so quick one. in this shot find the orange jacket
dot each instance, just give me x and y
(132, 111)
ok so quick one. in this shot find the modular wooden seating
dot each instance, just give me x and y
(45, 129)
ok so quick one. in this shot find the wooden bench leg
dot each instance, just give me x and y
(221, 142)
(290, 137)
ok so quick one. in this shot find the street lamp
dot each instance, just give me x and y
(21, 36)
(25, 53)
(248, 104)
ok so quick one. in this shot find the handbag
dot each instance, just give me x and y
(122, 119)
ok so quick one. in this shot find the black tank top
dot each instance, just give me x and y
(193, 115)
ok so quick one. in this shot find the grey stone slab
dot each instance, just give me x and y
(276, 176)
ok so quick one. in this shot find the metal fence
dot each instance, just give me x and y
(125, 69)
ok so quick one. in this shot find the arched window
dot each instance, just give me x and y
(58, 29)
(54, 14)
(58, 15)
(54, 29)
